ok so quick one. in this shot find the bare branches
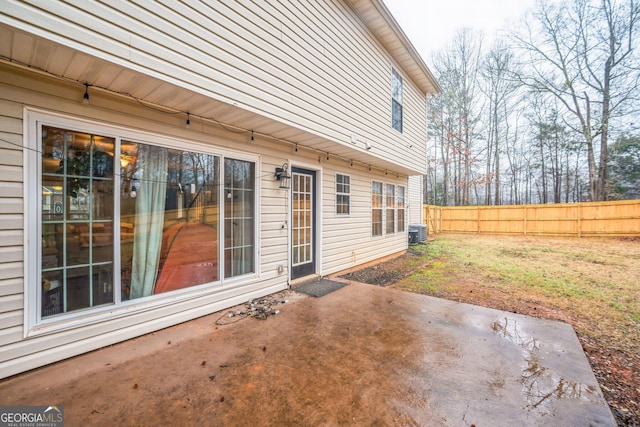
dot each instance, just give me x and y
(583, 58)
(531, 118)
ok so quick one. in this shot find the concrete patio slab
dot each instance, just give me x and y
(362, 355)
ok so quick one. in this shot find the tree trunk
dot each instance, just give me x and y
(601, 190)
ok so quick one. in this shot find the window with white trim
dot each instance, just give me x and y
(121, 216)
(401, 210)
(376, 208)
(239, 217)
(343, 194)
(390, 205)
(396, 100)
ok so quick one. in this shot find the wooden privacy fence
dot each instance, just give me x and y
(619, 218)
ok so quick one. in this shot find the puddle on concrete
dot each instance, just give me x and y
(540, 386)
(508, 329)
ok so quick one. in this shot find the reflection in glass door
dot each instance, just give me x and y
(303, 233)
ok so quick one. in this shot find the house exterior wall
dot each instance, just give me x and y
(347, 240)
(47, 344)
(22, 348)
(312, 65)
(415, 198)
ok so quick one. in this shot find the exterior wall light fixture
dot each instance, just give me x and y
(283, 176)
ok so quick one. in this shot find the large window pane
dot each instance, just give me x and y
(52, 292)
(78, 288)
(169, 219)
(53, 199)
(52, 246)
(78, 243)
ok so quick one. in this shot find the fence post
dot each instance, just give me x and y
(427, 216)
(579, 219)
(525, 220)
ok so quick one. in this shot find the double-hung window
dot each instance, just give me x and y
(388, 208)
(343, 194)
(122, 216)
(401, 208)
(376, 208)
(390, 205)
(396, 100)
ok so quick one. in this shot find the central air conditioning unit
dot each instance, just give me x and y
(417, 233)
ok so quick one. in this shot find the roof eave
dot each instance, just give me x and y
(383, 25)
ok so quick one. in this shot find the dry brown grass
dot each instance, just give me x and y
(592, 283)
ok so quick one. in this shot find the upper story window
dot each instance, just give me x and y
(396, 100)
(343, 194)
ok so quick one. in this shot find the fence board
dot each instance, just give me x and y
(618, 218)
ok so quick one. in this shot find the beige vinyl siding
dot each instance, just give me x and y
(337, 253)
(346, 240)
(17, 354)
(11, 219)
(414, 200)
(10, 319)
(313, 65)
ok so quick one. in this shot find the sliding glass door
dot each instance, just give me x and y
(122, 219)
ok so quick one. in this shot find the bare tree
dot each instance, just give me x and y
(457, 68)
(499, 89)
(582, 53)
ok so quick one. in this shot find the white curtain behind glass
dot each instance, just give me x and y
(149, 221)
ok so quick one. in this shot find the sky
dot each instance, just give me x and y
(432, 24)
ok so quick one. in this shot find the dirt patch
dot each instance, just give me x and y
(391, 271)
(609, 343)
